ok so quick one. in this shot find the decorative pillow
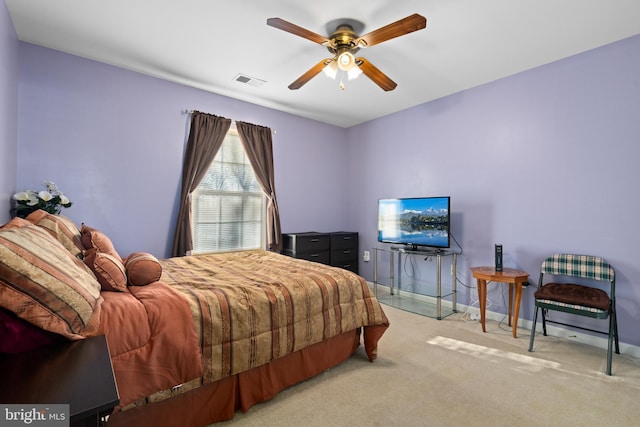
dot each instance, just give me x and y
(45, 284)
(60, 227)
(92, 238)
(142, 268)
(108, 269)
(16, 222)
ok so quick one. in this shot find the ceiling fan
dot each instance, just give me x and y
(343, 44)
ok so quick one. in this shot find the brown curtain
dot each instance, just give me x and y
(259, 147)
(205, 138)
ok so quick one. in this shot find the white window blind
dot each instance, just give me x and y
(228, 207)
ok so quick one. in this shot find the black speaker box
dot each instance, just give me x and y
(498, 257)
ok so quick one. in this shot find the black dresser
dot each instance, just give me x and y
(339, 249)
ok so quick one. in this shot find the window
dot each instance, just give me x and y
(229, 207)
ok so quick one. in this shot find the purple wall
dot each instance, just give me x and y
(542, 161)
(113, 142)
(8, 111)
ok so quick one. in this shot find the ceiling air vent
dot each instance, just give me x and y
(243, 78)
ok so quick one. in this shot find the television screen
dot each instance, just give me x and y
(419, 221)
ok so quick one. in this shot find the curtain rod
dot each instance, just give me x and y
(233, 122)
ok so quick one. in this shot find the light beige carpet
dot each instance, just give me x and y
(450, 373)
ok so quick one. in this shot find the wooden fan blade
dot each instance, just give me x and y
(377, 76)
(283, 25)
(399, 28)
(311, 73)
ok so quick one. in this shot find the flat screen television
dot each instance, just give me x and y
(415, 222)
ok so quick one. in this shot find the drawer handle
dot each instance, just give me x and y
(348, 251)
(347, 238)
(314, 255)
(315, 240)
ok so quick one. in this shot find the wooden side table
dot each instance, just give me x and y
(507, 275)
(77, 373)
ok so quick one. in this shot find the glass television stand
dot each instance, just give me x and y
(416, 296)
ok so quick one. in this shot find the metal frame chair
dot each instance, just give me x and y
(578, 298)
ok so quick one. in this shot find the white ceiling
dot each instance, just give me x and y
(206, 43)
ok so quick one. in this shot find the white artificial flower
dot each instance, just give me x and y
(27, 197)
(45, 195)
(22, 196)
(51, 200)
(51, 186)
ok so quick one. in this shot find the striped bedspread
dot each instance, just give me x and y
(252, 307)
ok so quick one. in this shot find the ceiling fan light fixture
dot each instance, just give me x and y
(331, 69)
(354, 72)
(345, 42)
(346, 61)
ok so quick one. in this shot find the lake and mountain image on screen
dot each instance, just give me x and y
(414, 221)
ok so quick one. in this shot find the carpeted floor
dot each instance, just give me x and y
(450, 373)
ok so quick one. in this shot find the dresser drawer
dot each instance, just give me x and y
(347, 265)
(339, 256)
(344, 240)
(306, 242)
(323, 257)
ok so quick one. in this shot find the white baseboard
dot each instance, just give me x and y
(568, 334)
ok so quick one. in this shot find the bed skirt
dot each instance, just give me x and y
(218, 401)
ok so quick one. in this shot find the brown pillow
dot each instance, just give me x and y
(108, 269)
(60, 227)
(92, 238)
(46, 285)
(142, 268)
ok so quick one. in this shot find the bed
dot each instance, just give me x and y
(192, 339)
